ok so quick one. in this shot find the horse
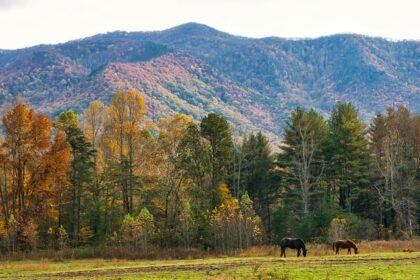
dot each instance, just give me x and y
(344, 244)
(293, 243)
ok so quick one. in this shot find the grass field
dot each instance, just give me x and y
(363, 266)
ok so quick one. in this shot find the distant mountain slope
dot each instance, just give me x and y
(195, 69)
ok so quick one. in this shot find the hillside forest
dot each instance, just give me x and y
(195, 69)
(112, 177)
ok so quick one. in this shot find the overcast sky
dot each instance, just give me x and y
(29, 22)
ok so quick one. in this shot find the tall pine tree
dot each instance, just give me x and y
(302, 157)
(81, 175)
(347, 154)
(215, 130)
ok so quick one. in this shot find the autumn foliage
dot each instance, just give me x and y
(115, 178)
(35, 168)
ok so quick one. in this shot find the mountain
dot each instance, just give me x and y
(195, 69)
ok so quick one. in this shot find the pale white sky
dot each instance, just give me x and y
(29, 22)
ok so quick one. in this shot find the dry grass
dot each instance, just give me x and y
(390, 246)
(151, 253)
(365, 247)
(156, 253)
(44, 264)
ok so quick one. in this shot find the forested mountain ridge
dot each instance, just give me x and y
(195, 69)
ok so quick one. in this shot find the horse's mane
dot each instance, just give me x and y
(289, 239)
(352, 243)
(303, 243)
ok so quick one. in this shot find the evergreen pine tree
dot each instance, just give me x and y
(348, 156)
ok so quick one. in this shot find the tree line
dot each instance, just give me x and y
(111, 177)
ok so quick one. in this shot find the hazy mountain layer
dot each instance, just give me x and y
(195, 69)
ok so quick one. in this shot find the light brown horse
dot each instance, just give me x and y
(344, 244)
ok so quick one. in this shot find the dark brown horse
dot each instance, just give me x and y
(292, 243)
(344, 244)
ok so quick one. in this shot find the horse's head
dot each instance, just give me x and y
(356, 250)
(304, 252)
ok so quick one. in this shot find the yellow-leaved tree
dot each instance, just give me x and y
(235, 223)
(172, 179)
(122, 128)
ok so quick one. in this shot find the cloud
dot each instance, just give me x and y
(7, 4)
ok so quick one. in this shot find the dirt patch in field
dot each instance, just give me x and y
(208, 267)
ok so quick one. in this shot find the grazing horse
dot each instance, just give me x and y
(344, 244)
(293, 243)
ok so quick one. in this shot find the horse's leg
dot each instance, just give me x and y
(298, 252)
(349, 251)
(283, 252)
(337, 251)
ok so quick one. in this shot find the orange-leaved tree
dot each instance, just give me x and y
(31, 167)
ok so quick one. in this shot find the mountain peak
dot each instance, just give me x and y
(193, 29)
(194, 69)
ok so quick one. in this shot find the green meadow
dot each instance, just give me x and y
(364, 266)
